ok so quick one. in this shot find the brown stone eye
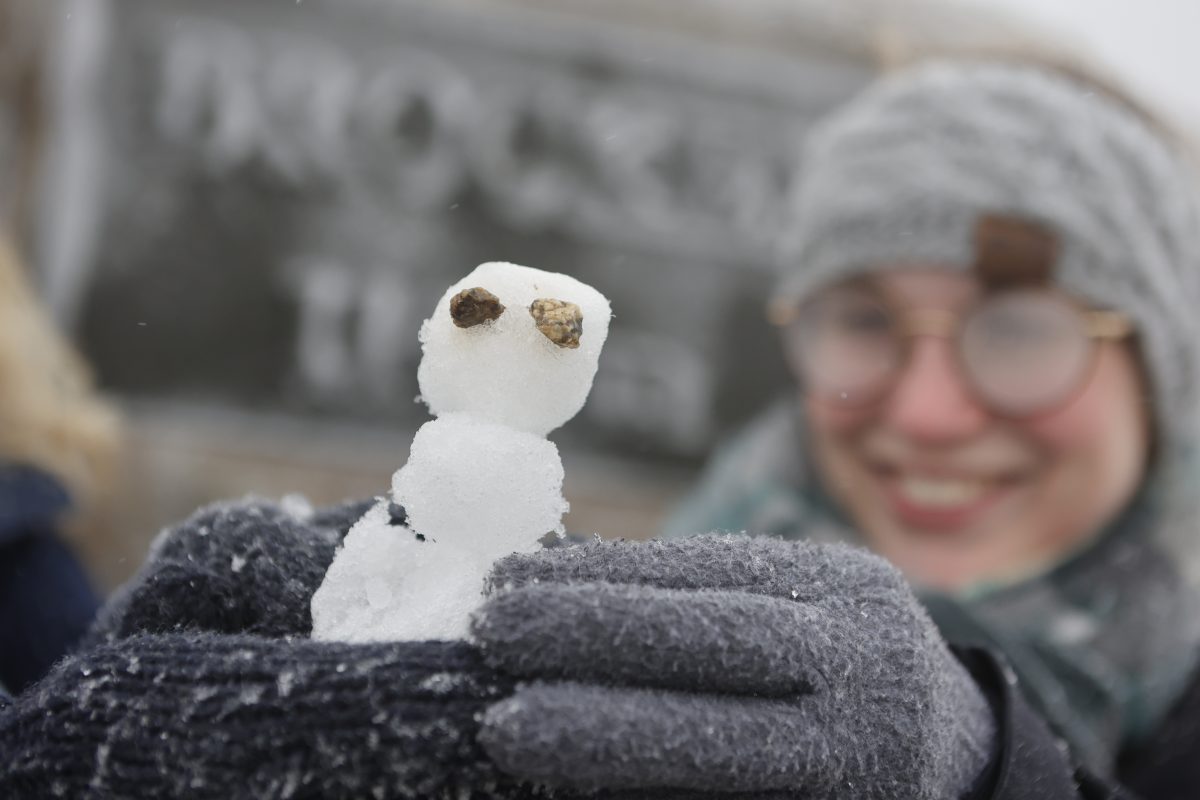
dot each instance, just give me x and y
(559, 321)
(472, 307)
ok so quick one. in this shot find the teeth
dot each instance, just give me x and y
(940, 493)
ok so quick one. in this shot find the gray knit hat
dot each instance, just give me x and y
(903, 173)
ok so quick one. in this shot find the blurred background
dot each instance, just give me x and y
(240, 211)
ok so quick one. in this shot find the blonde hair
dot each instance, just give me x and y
(50, 415)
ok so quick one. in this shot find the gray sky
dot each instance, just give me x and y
(1153, 44)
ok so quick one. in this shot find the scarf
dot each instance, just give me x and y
(1104, 641)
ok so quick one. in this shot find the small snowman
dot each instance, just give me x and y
(508, 356)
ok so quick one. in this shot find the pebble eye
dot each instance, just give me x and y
(472, 307)
(559, 321)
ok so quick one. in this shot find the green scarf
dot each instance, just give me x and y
(1104, 642)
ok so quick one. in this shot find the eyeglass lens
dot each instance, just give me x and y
(845, 344)
(1021, 351)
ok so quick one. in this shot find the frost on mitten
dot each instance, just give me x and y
(220, 716)
(245, 567)
(727, 664)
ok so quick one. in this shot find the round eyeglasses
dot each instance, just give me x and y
(1022, 352)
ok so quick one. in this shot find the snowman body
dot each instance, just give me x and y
(508, 355)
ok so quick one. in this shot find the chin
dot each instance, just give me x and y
(952, 558)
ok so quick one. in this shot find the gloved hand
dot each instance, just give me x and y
(248, 567)
(726, 664)
(224, 716)
(174, 699)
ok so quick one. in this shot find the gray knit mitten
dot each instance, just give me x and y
(727, 664)
(219, 716)
(199, 681)
(247, 567)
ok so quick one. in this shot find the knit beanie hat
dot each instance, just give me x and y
(903, 174)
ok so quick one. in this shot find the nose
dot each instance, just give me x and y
(930, 402)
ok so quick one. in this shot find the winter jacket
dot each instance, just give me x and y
(46, 600)
(1031, 758)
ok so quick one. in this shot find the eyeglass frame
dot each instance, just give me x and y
(1098, 325)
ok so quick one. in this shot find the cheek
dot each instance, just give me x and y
(1106, 421)
(1081, 423)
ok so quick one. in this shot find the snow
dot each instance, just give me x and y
(297, 506)
(434, 586)
(463, 474)
(481, 480)
(506, 371)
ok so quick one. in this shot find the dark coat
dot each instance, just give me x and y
(46, 600)
(1031, 762)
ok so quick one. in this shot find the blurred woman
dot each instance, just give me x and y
(990, 311)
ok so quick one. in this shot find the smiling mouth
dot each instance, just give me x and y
(941, 503)
(937, 493)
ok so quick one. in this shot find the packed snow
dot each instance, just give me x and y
(515, 360)
(507, 371)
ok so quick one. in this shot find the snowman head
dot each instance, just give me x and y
(514, 346)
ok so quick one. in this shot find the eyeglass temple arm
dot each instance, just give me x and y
(1107, 324)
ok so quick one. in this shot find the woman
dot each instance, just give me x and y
(972, 407)
(945, 424)
(56, 440)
